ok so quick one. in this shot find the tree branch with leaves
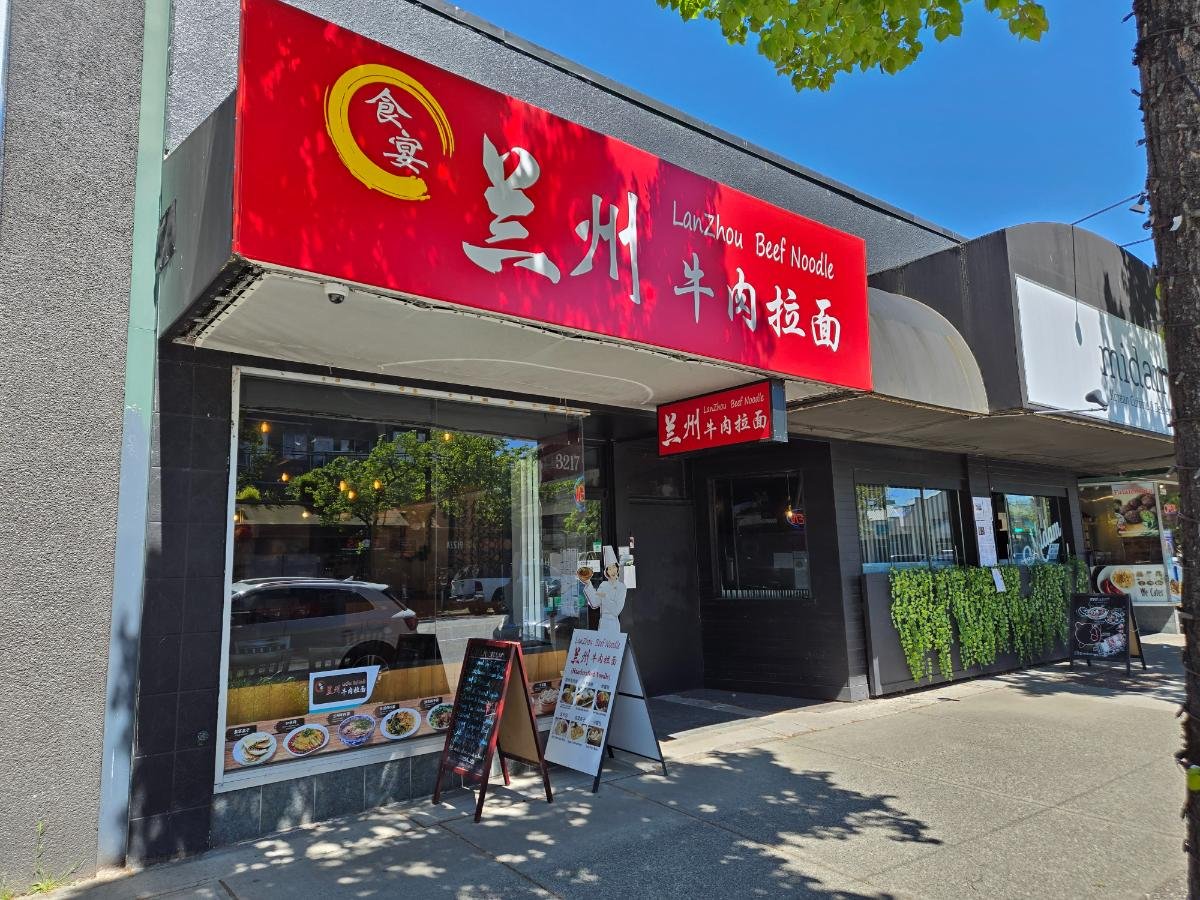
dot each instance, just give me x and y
(811, 42)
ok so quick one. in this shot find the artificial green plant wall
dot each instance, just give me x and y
(931, 608)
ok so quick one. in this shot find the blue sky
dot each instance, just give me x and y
(983, 131)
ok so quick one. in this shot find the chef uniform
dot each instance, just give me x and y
(609, 598)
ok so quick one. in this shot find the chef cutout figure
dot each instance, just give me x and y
(610, 597)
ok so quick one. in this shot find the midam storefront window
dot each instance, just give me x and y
(1029, 528)
(908, 526)
(374, 534)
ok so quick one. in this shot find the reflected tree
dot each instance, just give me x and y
(371, 490)
(257, 463)
(472, 480)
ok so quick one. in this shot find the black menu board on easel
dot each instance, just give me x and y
(1103, 627)
(492, 716)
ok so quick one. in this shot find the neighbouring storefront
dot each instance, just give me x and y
(415, 337)
(1129, 542)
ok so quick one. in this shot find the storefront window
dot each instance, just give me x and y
(1121, 523)
(1129, 538)
(374, 535)
(762, 543)
(1030, 528)
(908, 526)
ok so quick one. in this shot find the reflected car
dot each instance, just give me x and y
(481, 593)
(289, 624)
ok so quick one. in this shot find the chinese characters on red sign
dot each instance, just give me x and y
(357, 162)
(753, 412)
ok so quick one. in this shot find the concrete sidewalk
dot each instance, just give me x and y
(1044, 783)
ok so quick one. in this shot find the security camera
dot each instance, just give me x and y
(334, 292)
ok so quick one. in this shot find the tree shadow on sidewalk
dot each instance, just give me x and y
(1161, 679)
(739, 824)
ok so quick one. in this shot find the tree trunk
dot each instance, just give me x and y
(1168, 58)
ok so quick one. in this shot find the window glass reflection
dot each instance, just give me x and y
(900, 527)
(386, 542)
(1030, 529)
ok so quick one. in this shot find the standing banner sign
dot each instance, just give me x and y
(1103, 627)
(492, 715)
(601, 706)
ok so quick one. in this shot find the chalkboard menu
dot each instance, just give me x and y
(1103, 628)
(492, 716)
(481, 689)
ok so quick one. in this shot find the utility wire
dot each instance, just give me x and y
(1107, 208)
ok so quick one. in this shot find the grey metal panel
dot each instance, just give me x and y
(196, 224)
(970, 286)
(204, 65)
(70, 140)
(916, 354)
(973, 287)
(1085, 265)
(991, 323)
(1043, 252)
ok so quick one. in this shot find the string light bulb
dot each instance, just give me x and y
(304, 514)
(284, 477)
(265, 427)
(378, 485)
(350, 495)
(342, 486)
(446, 436)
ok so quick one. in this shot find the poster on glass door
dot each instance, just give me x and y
(985, 534)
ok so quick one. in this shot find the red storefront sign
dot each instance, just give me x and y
(742, 415)
(362, 164)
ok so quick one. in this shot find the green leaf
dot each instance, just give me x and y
(810, 43)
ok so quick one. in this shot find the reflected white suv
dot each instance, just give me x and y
(293, 624)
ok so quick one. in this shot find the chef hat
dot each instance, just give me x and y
(610, 557)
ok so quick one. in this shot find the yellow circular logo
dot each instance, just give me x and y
(407, 155)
